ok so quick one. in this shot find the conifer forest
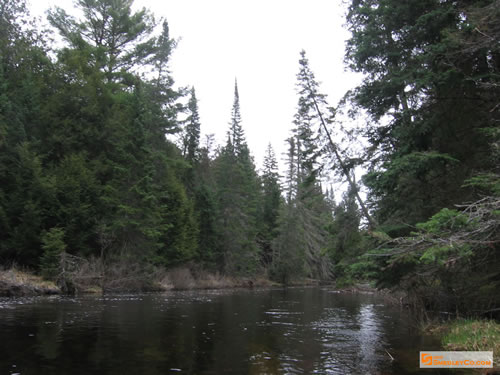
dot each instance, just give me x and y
(103, 161)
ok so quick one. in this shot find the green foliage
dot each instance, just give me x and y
(205, 207)
(451, 263)
(238, 197)
(349, 271)
(289, 258)
(473, 335)
(270, 206)
(485, 182)
(192, 132)
(429, 89)
(445, 219)
(302, 243)
(97, 162)
(117, 35)
(431, 79)
(444, 222)
(363, 270)
(53, 246)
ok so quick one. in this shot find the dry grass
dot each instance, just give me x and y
(92, 276)
(20, 282)
(87, 275)
(182, 278)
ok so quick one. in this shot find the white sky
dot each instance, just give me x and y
(258, 42)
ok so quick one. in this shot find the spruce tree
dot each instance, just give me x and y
(270, 206)
(236, 131)
(192, 130)
(237, 199)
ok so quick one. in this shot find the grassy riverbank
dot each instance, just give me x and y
(469, 335)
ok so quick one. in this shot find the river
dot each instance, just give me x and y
(254, 331)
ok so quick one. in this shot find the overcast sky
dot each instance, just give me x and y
(258, 42)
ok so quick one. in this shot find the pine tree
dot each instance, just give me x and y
(120, 39)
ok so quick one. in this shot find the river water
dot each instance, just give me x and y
(268, 331)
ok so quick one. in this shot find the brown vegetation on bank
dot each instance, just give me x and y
(91, 276)
(16, 283)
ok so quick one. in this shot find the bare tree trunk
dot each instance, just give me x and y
(371, 222)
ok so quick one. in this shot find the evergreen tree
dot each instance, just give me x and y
(210, 254)
(291, 181)
(25, 188)
(305, 119)
(345, 229)
(312, 107)
(237, 199)
(162, 97)
(271, 205)
(53, 246)
(423, 151)
(120, 128)
(307, 215)
(192, 132)
(120, 39)
(237, 133)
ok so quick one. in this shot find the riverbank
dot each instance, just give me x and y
(469, 335)
(17, 283)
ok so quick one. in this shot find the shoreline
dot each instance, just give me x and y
(21, 283)
(17, 283)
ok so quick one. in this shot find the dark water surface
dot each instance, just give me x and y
(278, 331)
